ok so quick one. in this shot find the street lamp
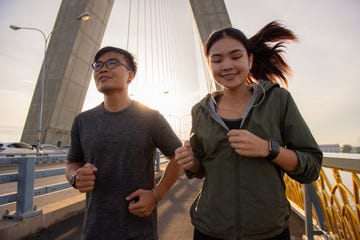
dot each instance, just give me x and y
(82, 17)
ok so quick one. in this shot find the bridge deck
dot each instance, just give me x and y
(173, 214)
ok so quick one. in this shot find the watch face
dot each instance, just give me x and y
(274, 150)
(73, 180)
(275, 147)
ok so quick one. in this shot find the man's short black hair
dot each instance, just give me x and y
(130, 62)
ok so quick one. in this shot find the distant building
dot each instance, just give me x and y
(334, 148)
(356, 149)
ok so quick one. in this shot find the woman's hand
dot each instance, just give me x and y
(184, 157)
(248, 144)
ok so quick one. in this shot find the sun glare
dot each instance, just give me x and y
(155, 98)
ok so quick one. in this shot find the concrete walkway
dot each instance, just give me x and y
(173, 217)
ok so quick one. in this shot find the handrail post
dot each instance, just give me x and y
(319, 212)
(316, 203)
(308, 213)
(25, 189)
(157, 161)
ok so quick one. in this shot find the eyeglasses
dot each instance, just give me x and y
(110, 64)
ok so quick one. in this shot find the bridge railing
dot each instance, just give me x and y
(24, 197)
(25, 178)
(330, 206)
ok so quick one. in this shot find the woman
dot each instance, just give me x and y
(245, 137)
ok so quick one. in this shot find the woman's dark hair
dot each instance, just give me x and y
(267, 48)
(129, 58)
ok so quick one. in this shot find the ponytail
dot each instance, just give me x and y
(267, 48)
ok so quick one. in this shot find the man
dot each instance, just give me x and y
(111, 157)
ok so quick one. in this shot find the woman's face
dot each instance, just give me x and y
(229, 63)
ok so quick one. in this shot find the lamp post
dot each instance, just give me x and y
(82, 17)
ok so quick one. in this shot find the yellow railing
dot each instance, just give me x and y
(337, 190)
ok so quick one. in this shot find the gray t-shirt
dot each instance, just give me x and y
(122, 145)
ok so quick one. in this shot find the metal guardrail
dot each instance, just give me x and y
(25, 182)
(323, 211)
(331, 210)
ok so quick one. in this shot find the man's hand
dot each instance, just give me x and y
(142, 202)
(85, 178)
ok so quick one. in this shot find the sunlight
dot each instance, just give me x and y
(173, 107)
(153, 97)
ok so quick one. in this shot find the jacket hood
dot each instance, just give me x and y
(259, 89)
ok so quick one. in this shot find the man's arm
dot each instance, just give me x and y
(171, 174)
(147, 199)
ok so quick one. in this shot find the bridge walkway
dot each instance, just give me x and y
(173, 217)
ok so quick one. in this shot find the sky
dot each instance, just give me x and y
(325, 62)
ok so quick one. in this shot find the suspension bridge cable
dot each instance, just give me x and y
(145, 47)
(166, 47)
(156, 30)
(176, 64)
(151, 44)
(128, 30)
(173, 47)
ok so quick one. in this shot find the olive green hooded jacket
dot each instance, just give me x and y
(244, 197)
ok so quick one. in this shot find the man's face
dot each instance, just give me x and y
(113, 75)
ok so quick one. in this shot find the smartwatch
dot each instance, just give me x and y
(274, 148)
(73, 180)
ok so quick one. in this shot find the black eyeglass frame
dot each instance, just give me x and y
(97, 68)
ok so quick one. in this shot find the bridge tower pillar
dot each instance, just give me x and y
(67, 70)
(209, 15)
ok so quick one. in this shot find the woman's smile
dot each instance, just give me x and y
(229, 76)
